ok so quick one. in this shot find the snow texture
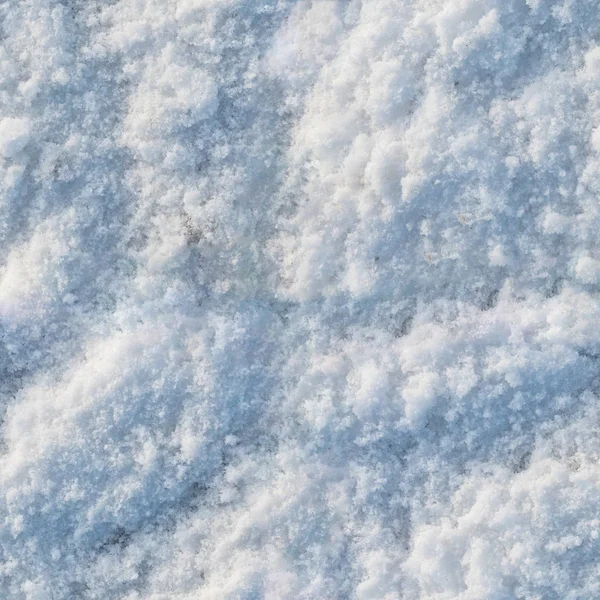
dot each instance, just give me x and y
(299, 299)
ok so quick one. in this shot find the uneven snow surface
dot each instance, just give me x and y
(299, 299)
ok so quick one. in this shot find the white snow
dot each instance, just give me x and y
(14, 135)
(299, 299)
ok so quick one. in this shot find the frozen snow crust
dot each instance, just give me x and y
(300, 300)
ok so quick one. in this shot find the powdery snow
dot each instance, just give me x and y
(299, 299)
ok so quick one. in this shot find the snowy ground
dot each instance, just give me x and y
(300, 299)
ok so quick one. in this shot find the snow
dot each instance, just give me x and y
(14, 135)
(299, 299)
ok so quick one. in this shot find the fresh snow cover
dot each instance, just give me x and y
(300, 299)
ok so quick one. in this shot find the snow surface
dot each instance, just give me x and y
(299, 299)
